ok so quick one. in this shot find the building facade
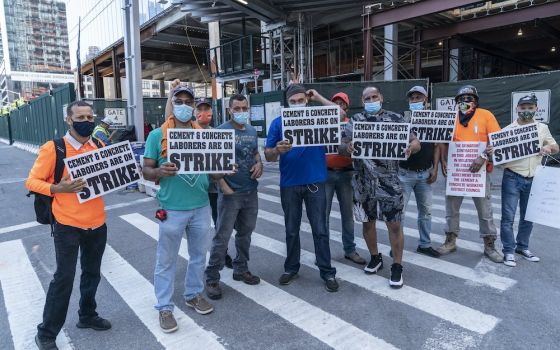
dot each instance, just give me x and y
(35, 53)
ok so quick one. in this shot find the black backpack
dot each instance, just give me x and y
(42, 203)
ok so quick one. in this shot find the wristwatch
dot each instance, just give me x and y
(484, 155)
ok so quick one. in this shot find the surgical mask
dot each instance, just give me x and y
(526, 115)
(84, 128)
(416, 106)
(241, 117)
(465, 106)
(183, 112)
(297, 105)
(204, 118)
(372, 107)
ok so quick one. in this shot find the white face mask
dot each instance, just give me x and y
(297, 105)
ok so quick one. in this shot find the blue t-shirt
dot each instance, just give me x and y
(301, 165)
(246, 146)
(180, 192)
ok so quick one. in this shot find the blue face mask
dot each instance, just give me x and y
(241, 117)
(372, 107)
(183, 113)
(416, 106)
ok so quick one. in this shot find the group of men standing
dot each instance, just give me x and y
(367, 191)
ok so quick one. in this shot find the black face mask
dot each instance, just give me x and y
(84, 128)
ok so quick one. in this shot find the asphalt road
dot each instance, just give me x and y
(461, 301)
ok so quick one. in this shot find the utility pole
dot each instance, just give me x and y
(135, 106)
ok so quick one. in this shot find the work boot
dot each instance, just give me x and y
(490, 250)
(449, 245)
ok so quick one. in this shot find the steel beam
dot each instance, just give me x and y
(493, 21)
(260, 13)
(417, 9)
(116, 73)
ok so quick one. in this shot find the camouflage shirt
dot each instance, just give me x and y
(374, 166)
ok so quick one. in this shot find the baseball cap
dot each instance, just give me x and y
(342, 96)
(295, 89)
(418, 89)
(181, 89)
(203, 101)
(529, 99)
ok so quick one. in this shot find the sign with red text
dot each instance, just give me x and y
(460, 180)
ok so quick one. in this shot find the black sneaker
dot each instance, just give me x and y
(375, 264)
(45, 343)
(396, 280)
(247, 278)
(229, 262)
(287, 278)
(429, 252)
(331, 285)
(97, 323)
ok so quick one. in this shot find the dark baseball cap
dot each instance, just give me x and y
(181, 89)
(295, 89)
(203, 101)
(529, 99)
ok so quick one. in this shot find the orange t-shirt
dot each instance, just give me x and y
(66, 208)
(481, 124)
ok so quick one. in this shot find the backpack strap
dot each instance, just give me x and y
(98, 143)
(60, 149)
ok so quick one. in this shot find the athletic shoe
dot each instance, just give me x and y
(396, 280)
(375, 264)
(509, 260)
(527, 255)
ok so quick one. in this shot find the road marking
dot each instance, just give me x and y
(326, 327)
(23, 295)
(12, 180)
(31, 224)
(138, 293)
(475, 276)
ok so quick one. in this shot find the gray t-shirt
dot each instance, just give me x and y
(246, 146)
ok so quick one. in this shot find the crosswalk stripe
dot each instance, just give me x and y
(326, 327)
(442, 266)
(24, 296)
(450, 311)
(138, 293)
(408, 231)
(31, 224)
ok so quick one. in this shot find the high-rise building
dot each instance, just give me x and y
(35, 55)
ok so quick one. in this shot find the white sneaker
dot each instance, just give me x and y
(509, 260)
(527, 255)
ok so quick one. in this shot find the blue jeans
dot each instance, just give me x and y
(196, 224)
(418, 182)
(340, 181)
(236, 211)
(292, 198)
(515, 188)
